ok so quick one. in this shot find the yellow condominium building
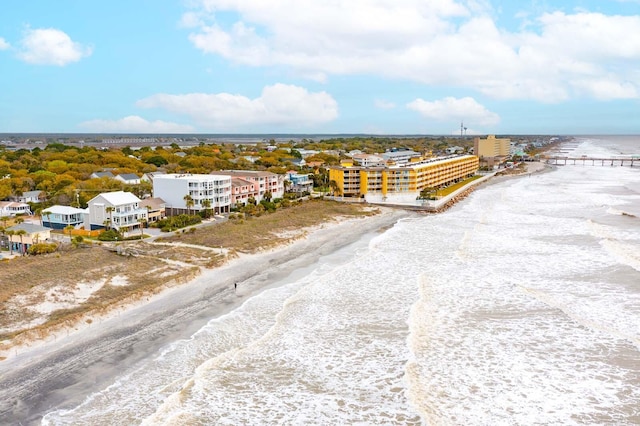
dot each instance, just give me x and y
(491, 147)
(409, 178)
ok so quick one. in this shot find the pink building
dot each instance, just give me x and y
(242, 190)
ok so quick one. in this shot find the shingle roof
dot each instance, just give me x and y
(30, 228)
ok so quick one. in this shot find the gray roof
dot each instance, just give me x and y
(129, 176)
(30, 228)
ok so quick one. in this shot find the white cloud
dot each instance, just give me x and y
(280, 105)
(382, 104)
(447, 109)
(4, 45)
(445, 42)
(134, 124)
(49, 46)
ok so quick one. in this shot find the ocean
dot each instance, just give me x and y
(518, 306)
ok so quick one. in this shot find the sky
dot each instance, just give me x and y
(326, 67)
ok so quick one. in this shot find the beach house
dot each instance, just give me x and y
(24, 235)
(119, 210)
(59, 217)
(299, 182)
(12, 208)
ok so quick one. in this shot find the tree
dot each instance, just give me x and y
(110, 211)
(335, 188)
(21, 233)
(10, 233)
(70, 229)
(48, 215)
(143, 223)
(206, 204)
(427, 193)
(267, 196)
(189, 203)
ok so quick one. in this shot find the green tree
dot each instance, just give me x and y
(21, 233)
(188, 200)
(206, 204)
(110, 211)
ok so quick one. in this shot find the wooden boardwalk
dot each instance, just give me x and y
(591, 161)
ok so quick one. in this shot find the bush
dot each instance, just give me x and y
(110, 235)
(177, 222)
(78, 239)
(42, 248)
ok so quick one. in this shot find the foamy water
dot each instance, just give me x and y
(521, 305)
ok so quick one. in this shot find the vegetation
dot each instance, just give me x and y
(42, 248)
(151, 268)
(176, 222)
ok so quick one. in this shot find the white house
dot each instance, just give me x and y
(128, 178)
(29, 197)
(173, 188)
(120, 210)
(11, 208)
(59, 217)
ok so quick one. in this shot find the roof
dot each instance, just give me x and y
(57, 209)
(236, 181)
(29, 228)
(103, 174)
(241, 173)
(129, 176)
(13, 204)
(118, 198)
(31, 193)
(154, 203)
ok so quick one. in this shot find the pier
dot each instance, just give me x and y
(591, 161)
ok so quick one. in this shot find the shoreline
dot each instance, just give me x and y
(61, 370)
(72, 362)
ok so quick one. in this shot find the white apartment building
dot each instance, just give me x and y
(174, 188)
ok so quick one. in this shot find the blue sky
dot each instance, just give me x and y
(336, 66)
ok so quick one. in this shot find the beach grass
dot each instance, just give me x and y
(250, 235)
(146, 268)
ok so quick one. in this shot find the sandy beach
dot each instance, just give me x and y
(61, 370)
(64, 368)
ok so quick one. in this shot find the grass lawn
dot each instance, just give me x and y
(450, 189)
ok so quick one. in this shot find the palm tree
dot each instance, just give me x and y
(110, 211)
(69, 228)
(189, 202)
(21, 232)
(143, 222)
(48, 215)
(10, 233)
(206, 204)
(335, 188)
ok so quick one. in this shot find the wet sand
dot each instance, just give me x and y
(62, 371)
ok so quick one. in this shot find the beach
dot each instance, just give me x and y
(517, 305)
(60, 370)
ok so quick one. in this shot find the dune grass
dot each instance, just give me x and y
(26, 280)
(259, 233)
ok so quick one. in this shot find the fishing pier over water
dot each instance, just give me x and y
(594, 161)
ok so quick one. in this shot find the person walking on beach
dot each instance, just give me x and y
(235, 286)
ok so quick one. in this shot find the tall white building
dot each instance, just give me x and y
(174, 188)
